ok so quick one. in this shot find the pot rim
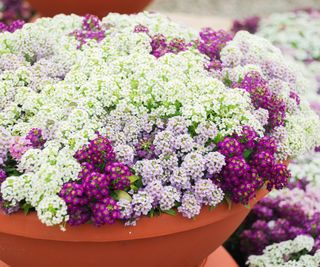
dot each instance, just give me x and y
(29, 226)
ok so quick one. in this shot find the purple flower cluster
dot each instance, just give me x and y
(249, 24)
(270, 222)
(36, 138)
(91, 30)
(262, 97)
(12, 10)
(295, 96)
(12, 27)
(20, 145)
(3, 176)
(211, 43)
(250, 163)
(275, 219)
(160, 45)
(91, 197)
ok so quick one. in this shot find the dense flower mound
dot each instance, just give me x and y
(135, 115)
(287, 254)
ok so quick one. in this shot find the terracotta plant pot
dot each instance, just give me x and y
(81, 7)
(220, 258)
(170, 241)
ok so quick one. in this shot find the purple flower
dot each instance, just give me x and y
(118, 175)
(78, 215)
(249, 24)
(91, 30)
(36, 138)
(141, 28)
(73, 194)
(13, 10)
(105, 211)
(262, 97)
(211, 42)
(3, 176)
(230, 147)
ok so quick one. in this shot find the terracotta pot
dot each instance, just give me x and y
(2, 264)
(220, 258)
(170, 241)
(81, 7)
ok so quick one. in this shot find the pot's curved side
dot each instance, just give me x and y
(82, 7)
(29, 226)
(219, 258)
(170, 241)
(186, 249)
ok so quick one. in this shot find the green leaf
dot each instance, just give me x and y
(151, 213)
(247, 153)
(229, 203)
(133, 178)
(123, 195)
(133, 187)
(247, 206)
(218, 138)
(26, 208)
(170, 212)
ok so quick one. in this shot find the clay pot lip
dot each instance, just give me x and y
(30, 227)
(96, 7)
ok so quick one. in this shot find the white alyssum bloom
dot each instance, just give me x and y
(274, 255)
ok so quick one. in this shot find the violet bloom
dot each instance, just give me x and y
(15, 25)
(36, 138)
(91, 29)
(211, 42)
(250, 24)
(15, 10)
(262, 97)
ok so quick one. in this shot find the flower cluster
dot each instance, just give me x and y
(287, 254)
(307, 167)
(101, 176)
(250, 163)
(280, 217)
(90, 30)
(138, 123)
(11, 10)
(15, 25)
(249, 24)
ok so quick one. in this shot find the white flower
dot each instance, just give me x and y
(52, 210)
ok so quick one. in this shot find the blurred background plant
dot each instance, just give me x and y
(11, 10)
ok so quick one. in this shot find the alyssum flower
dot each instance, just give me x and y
(144, 117)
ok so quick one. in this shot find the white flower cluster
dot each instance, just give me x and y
(156, 23)
(307, 166)
(275, 255)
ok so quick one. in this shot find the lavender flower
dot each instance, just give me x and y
(190, 206)
(169, 197)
